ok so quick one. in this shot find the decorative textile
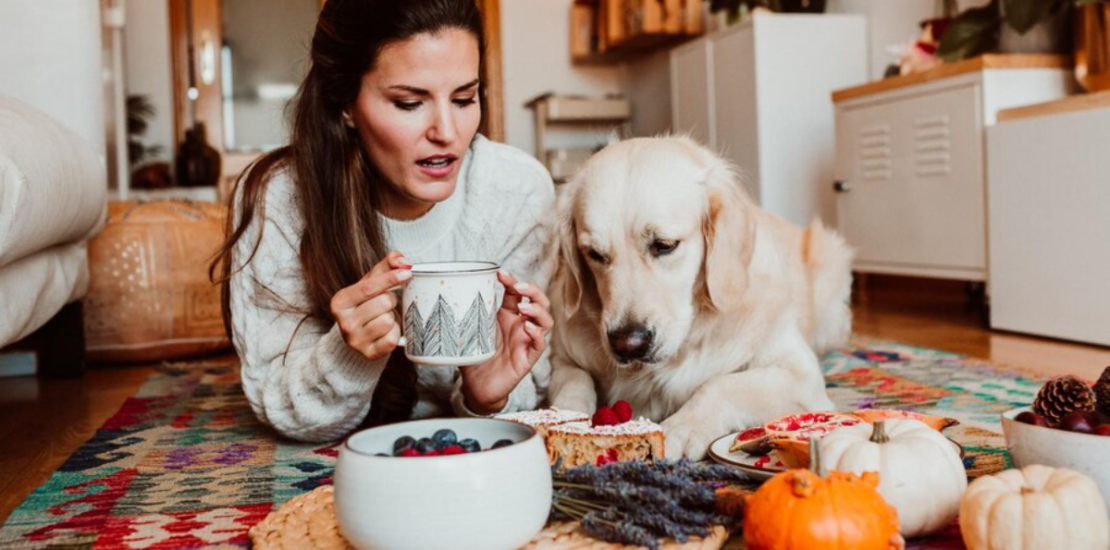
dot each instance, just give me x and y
(185, 464)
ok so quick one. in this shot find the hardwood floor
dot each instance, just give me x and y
(43, 421)
(937, 314)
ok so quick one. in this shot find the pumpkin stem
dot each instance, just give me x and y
(814, 456)
(878, 435)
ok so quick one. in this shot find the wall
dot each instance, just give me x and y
(149, 69)
(50, 58)
(535, 46)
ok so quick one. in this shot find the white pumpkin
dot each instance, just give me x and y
(1037, 508)
(920, 471)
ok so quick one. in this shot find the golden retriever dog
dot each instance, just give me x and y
(677, 293)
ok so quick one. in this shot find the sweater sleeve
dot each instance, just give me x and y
(528, 254)
(298, 373)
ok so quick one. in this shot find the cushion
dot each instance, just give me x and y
(36, 287)
(53, 187)
(149, 295)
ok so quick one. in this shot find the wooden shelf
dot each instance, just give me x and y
(948, 70)
(631, 48)
(605, 32)
(1070, 104)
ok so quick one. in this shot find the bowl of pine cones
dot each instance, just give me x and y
(1068, 426)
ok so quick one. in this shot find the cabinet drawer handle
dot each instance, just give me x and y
(841, 186)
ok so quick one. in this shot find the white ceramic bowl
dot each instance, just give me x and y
(490, 500)
(1085, 453)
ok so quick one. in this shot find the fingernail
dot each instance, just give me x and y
(524, 307)
(404, 275)
(404, 262)
(504, 273)
(529, 326)
(522, 287)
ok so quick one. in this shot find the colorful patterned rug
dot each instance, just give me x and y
(184, 464)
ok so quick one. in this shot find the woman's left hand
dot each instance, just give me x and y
(486, 387)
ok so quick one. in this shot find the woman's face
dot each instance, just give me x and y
(417, 112)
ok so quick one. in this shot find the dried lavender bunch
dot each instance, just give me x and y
(627, 501)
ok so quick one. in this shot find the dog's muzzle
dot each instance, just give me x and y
(631, 343)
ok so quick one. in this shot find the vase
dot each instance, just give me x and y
(1092, 46)
(198, 163)
(1049, 36)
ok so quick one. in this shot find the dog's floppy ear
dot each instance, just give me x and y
(569, 257)
(729, 230)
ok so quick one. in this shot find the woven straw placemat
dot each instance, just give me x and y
(309, 521)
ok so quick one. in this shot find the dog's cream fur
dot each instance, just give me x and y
(737, 309)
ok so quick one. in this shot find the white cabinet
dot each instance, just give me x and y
(911, 163)
(1049, 188)
(759, 93)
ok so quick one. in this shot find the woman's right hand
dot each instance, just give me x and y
(366, 311)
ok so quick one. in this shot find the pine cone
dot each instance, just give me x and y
(1063, 396)
(1102, 393)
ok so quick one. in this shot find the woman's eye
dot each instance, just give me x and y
(406, 105)
(465, 102)
(662, 248)
(596, 256)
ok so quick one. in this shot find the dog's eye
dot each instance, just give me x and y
(662, 248)
(596, 256)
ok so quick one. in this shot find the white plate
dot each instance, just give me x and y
(759, 467)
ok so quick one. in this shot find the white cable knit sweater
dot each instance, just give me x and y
(501, 211)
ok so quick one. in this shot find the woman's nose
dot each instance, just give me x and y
(443, 127)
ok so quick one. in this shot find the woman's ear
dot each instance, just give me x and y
(729, 230)
(348, 120)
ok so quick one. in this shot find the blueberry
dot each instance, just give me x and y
(381, 454)
(444, 439)
(470, 446)
(402, 443)
(502, 443)
(425, 445)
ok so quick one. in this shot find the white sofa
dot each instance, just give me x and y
(53, 198)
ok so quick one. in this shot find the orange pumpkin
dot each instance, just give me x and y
(799, 510)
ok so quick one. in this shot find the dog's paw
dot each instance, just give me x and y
(685, 438)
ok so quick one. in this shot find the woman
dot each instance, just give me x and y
(384, 156)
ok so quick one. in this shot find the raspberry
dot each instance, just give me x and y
(409, 452)
(623, 410)
(609, 457)
(453, 450)
(605, 417)
(432, 453)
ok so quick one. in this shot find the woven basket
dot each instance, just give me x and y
(309, 521)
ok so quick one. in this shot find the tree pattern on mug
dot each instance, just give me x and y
(442, 335)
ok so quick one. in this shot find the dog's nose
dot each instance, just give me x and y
(630, 343)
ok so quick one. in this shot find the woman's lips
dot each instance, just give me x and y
(439, 166)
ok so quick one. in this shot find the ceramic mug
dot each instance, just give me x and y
(449, 313)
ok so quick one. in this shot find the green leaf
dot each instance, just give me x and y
(1023, 15)
(971, 33)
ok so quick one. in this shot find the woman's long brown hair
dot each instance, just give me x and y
(338, 190)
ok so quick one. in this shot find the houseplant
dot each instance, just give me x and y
(1008, 25)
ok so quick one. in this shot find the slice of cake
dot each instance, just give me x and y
(581, 443)
(545, 419)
